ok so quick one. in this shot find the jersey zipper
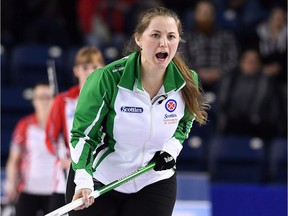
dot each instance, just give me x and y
(146, 95)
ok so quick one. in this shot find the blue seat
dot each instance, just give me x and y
(193, 156)
(278, 160)
(237, 159)
(110, 53)
(13, 106)
(29, 63)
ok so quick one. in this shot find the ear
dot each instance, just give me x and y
(75, 71)
(137, 38)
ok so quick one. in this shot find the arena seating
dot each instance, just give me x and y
(237, 159)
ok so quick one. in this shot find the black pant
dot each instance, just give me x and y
(30, 204)
(157, 199)
(57, 200)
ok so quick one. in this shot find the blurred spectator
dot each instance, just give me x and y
(240, 16)
(212, 52)
(60, 120)
(249, 100)
(103, 21)
(30, 166)
(272, 42)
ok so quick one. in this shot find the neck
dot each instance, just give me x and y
(41, 118)
(152, 81)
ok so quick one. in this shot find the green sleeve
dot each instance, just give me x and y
(93, 105)
(185, 124)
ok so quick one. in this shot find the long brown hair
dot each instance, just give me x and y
(192, 95)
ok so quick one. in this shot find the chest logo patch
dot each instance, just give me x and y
(171, 105)
(129, 109)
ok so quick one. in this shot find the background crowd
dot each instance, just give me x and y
(238, 48)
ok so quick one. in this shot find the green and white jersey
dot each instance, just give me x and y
(113, 102)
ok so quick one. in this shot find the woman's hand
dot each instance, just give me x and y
(163, 161)
(84, 193)
(65, 163)
(11, 192)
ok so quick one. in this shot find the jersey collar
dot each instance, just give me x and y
(173, 79)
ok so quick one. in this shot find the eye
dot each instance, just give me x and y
(170, 37)
(85, 67)
(155, 35)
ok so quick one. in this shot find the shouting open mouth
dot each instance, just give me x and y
(161, 56)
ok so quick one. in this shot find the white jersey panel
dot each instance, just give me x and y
(150, 126)
(39, 173)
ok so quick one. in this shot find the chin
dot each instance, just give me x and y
(161, 65)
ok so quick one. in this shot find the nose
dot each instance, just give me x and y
(163, 42)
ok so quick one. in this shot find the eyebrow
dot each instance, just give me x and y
(157, 31)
